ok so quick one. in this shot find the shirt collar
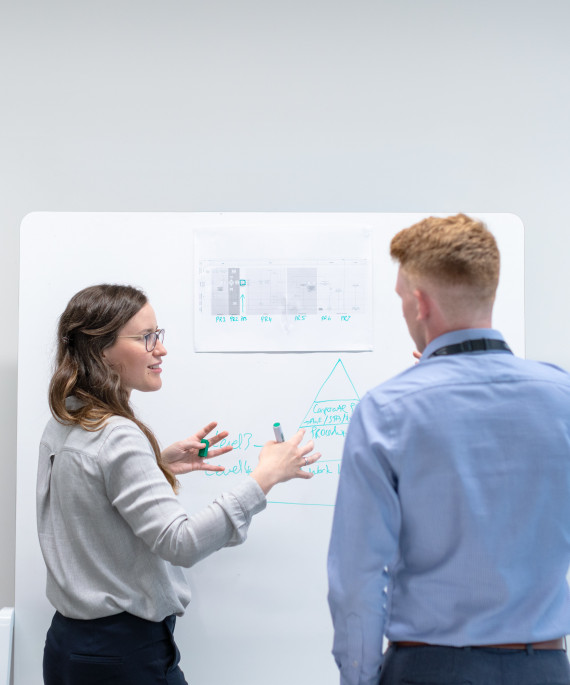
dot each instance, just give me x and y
(454, 337)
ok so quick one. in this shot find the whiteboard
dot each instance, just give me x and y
(258, 611)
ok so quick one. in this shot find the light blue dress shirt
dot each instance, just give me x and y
(452, 521)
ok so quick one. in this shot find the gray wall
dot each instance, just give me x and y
(303, 105)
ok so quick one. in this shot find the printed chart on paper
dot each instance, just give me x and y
(268, 303)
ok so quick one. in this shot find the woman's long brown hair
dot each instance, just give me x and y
(89, 325)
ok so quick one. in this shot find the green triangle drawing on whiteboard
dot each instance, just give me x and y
(334, 402)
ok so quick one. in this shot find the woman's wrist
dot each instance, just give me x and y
(264, 480)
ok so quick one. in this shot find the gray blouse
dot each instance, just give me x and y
(113, 533)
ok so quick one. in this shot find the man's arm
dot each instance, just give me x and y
(364, 542)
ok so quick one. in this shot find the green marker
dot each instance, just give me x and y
(278, 432)
(204, 451)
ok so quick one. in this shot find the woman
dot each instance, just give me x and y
(111, 529)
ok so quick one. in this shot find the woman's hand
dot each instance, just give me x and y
(282, 461)
(182, 457)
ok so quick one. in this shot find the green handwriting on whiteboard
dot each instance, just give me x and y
(241, 468)
(327, 418)
(242, 442)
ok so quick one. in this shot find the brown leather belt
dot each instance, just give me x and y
(560, 643)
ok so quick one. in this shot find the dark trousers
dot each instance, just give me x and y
(474, 666)
(115, 650)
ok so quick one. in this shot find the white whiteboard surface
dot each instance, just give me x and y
(259, 611)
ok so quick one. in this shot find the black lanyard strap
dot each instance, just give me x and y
(479, 345)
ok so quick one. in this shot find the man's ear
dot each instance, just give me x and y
(423, 304)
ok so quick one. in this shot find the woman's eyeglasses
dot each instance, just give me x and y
(150, 339)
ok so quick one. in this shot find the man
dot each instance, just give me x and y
(451, 531)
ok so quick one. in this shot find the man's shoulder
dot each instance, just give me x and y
(431, 375)
(517, 368)
(408, 381)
